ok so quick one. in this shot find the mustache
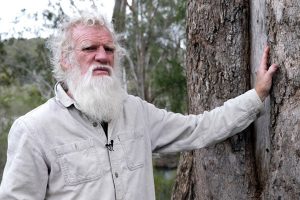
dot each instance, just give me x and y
(75, 74)
(88, 77)
(106, 68)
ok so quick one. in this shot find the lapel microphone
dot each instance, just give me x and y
(110, 146)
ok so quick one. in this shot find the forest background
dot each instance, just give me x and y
(153, 32)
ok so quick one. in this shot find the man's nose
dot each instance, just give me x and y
(101, 56)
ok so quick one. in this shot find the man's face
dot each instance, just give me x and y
(91, 77)
(94, 47)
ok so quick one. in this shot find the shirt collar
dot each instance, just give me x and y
(62, 96)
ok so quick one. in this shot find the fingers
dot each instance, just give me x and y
(272, 69)
(264, 60)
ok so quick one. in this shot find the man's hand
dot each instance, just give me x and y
(264, 76)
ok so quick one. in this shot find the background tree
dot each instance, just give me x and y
(263, 162)
(155, 40)
(119, 15)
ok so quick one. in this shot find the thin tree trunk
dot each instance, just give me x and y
(119, 15)
(118, 19)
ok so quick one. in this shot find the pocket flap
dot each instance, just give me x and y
(73, 147)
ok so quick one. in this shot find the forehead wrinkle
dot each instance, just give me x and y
(87, 35)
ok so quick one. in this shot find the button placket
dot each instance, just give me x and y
(118, 182)
(116, 170)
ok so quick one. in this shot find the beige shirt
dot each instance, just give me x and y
(56, 153)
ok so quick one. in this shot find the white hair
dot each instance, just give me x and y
(61, 45)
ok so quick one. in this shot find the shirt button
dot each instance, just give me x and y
(95, 124)
(116, 175)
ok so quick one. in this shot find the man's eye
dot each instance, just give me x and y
(89, 49)
(95, 48)
(109, 49)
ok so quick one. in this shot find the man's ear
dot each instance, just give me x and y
(64, 62)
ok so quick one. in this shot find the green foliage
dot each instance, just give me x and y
(16, 100)
(6, 76)
(2, 52)
(170, 84)
(25, 57)
(26, 62)
(164, 181)
(53, 16)
(3, 147)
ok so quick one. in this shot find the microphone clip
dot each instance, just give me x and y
(110, 146)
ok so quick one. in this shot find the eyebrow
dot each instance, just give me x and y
(86, 44)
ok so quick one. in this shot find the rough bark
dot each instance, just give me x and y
(283, 31)
(267, 165)
(277, 131)
(218, 69)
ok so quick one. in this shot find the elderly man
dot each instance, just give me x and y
(92, 140)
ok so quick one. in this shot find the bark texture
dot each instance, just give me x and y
(277, 131)
(218, 69)
(283, 31)
(264, 161)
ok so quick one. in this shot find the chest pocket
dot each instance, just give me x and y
(133, 145)
(79, 162)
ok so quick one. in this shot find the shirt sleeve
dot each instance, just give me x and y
(25, 174)
(170, 132)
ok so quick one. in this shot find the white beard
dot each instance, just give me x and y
(100, 98)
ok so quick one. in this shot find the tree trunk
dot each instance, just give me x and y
(262, 162)
(119, 15)
(281, 169)
(217, 68)
(118, 19)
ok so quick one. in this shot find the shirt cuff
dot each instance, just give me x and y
(258, 101)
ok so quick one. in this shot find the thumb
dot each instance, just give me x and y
(272, 69)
